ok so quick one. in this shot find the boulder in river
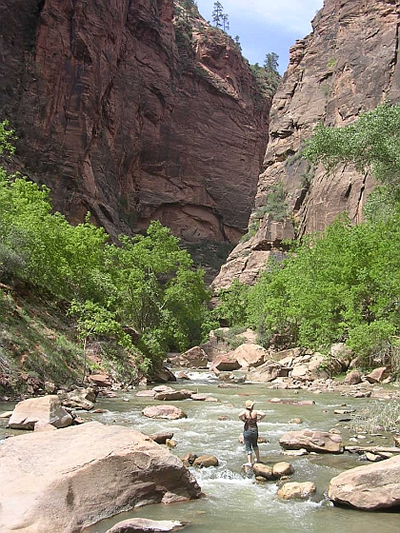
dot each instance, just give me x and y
(264, 471)
(368, 488)
(168, 412)
(312, 441)
(46, 409)
(49, 483)
(294, 490)
(205, 461)
(172, 394)
(135, 525)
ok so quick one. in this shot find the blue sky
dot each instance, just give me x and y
(266, 26)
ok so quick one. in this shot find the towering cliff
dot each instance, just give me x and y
(347, 65)
(133, 110)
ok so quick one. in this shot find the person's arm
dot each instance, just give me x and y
(260, 415)
(242, 416)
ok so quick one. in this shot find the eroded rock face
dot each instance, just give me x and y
(120, 115)
(347, 65)
(51, 476)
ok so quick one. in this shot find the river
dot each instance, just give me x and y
(234, 502)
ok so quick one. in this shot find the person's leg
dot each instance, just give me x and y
(257, 454)
(247, 443)
(254, 447)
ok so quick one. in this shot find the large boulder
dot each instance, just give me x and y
(46, 410)
(377, 375)
(224, 363)
(267, 372)
(368, 488)
(64, 480)
(249, 355)
(312, 441)
(168, 412)
(162, 375)
(196, 357)
(353, 377)
(173, 394)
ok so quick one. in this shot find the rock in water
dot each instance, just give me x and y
(144, 525)
(63, 481)
(372, 487)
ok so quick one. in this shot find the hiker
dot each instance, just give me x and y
(250, 417)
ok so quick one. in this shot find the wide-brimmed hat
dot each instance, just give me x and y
(249, 404)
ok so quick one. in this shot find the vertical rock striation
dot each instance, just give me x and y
(347, 65)
(133, 111)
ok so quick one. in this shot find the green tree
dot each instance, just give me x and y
(217, 14)
(271, 62)
(371, 142)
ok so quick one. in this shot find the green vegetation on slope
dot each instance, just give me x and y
(145, 284)
(341, 285)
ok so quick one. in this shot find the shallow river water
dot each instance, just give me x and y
(234, 502)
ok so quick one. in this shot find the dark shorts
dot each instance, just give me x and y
(250, 437)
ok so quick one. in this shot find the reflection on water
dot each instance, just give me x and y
(234, 502)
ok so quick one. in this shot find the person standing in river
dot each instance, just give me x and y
(250, 417)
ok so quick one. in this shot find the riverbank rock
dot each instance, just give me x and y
(312, 441)
(224, 363)
(353, 378)
(134, 525)
(368, 488)
(196, 357)
(101, 380)
(294, 490)
(46, 410)
(52, 477)
(249, 355)
(162, 375)
(168, 412)
(79, 398)
(377, 375)
(267, 372)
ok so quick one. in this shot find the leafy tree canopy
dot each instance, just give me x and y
(372, 142)
(147, 283)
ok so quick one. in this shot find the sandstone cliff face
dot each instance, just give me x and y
(347, 65)
(123, 116)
